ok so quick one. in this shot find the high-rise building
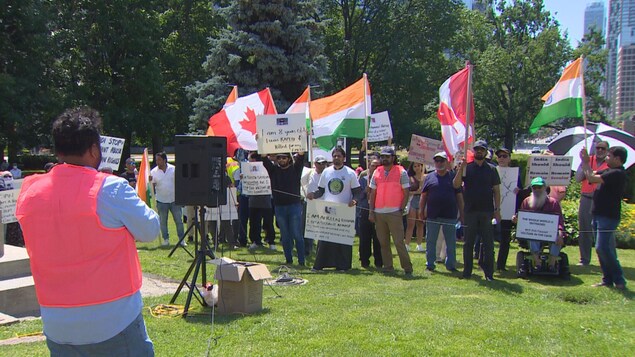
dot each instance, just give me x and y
(594, 17)
(620, 69)
(478, 5)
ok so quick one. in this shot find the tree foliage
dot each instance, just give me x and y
(596, 58)
(273, 44)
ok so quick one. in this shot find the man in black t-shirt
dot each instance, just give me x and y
(482, 197)
(606, 210)
(130, 173)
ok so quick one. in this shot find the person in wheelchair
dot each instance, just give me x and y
(540, 201)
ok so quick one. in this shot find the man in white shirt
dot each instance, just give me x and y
(162, 178)
(16, 172)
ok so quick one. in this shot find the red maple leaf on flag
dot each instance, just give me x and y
(250, 123)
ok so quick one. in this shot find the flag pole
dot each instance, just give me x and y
(308, 116)
(583, 102)
(366, 119)
(468, 112)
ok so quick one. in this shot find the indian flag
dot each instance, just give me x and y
(341, 114)
(564, 100)
(301, 105)
(143, 181)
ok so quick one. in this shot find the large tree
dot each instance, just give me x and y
(518, 54)
(274, 44)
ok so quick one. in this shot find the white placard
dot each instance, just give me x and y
(228, 212)
(255, 179)
(537, 226)
(380, 128)
(555, 170)
(509, 182)
(8, 200)
(111, 150)
(281, 133)
(330, 222)
(422, 150)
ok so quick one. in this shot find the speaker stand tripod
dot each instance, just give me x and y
(203, 252)
(196, 231)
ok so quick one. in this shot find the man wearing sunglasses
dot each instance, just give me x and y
(597, 162)
(503, 158)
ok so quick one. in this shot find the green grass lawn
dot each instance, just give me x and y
(367, 313)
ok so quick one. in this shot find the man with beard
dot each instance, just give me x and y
(162, 178)
(540, 201)
(80, 227)
(388, 198)
(285, 178)
(338, 183)
(597, 162)
(367, 233)
(607, 212)
(482, 203)
(503, 156)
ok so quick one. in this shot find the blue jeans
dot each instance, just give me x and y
(433, 225)
(534, 247)
(604, 228)
(289, 218)
(177, 215)
(132, 341)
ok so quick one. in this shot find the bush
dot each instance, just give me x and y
(35, 162)
(625, 235)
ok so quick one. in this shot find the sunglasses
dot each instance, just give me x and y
(503, 156)
(439, 160)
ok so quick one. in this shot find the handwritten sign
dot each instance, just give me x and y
(255, 179)
(509, 182)
(422, 149)
(537, 226)
(111, 150)
(555, 170)
(8, 200)
(379, 128)
(330, 222)
(281, 133)
(228, 212)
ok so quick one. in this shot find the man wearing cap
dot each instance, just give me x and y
(503, 158)
(130, 173)
(597, 163)
(440, 203)
(607, 212)
(285, 178)
(482, 203)
(388, 198)
(310, 184)
(540, 201)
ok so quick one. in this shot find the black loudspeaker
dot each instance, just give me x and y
(200, 170)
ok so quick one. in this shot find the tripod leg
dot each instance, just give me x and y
(184, 281)
(178, 244)
(200, 260)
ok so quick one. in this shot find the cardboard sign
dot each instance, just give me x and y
(281, 133)
(380, 128)
(255, 179)
(111, 150)
(228, 212)
(509, 182)
(537, 226)
(8, 200)
(330, 222)
(422, 149)
(555, 170)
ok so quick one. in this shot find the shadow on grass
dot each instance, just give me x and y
(501, 285)
(555, 280)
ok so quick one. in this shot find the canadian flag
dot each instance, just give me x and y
(452, 112)
(237, 122)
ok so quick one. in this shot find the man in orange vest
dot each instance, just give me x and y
(388, 198)
(80, 227)
(597, 163)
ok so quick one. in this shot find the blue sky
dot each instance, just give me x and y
(570, 15)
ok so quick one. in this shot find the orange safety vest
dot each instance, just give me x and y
(587, 187)
(75, 260)
(389, 191)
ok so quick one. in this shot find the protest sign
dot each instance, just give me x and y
(422, 149)
(255, 179)
(330, 222)
(281, 133)
(228, 212)
(8, 200)
(555, 170)
(111, 150)
(379, 128)
(509, 182)
(537, 226)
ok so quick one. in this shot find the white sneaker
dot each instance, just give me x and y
(165, 243)
(272, 246)
(420, 248)
(407, 247)
(183, 244)
(253, 246)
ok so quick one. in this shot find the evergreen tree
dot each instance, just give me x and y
(267, 43)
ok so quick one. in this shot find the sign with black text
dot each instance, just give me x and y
(330, 222)
(111, 150)
(422, 150)
(255, 180)
(537, 226)
(555, 170)
(281, 133)
(379, 128)
(8, 201)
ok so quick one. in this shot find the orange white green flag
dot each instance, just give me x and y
(301, 106)
(342, 114)
(144, 190)
(564, 100)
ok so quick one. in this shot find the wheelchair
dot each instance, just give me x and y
(525, 262)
